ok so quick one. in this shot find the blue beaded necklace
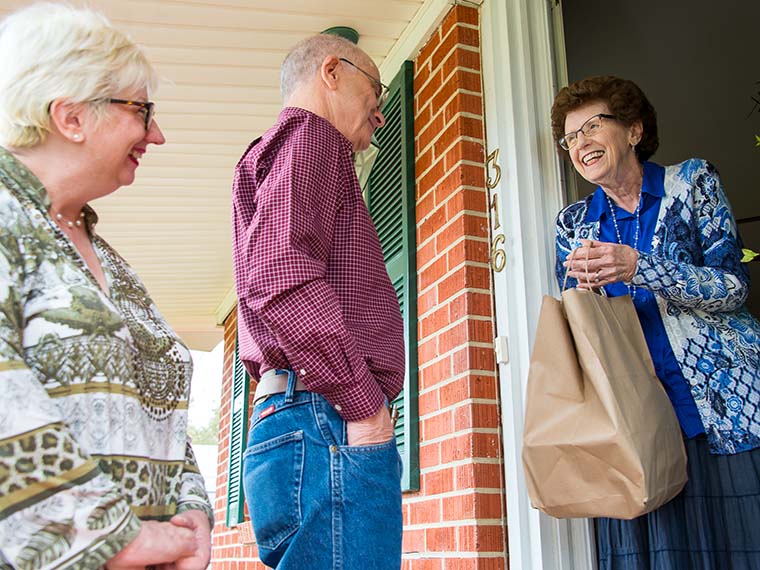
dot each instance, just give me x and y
(637, 213)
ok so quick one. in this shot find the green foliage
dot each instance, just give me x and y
(208, 434)
(749, 255)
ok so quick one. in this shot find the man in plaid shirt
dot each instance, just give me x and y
(319, 324)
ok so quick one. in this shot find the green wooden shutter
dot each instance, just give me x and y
(238, 432)
(390, 198)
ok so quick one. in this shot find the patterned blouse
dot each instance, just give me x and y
(95, 388)
(694, 269)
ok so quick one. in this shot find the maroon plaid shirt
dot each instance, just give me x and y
(313, 291)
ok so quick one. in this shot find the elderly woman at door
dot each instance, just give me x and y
(666, 237)
(95, 465)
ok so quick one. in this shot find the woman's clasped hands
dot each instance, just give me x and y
(595, 264)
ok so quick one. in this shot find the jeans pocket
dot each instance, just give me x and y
(273, 473)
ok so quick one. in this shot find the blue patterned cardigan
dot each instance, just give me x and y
(695, 271)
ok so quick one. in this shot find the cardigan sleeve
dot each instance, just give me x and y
(714, 281)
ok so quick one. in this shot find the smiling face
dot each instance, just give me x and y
(357, 115)
(606, 157)
(117, 142)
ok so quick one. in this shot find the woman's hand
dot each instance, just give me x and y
(157, 543)
(196, 521)
(598, 263)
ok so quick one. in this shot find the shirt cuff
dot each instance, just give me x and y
(357, 402)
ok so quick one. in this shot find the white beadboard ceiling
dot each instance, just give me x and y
(220, 59)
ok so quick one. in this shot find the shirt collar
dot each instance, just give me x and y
(288, 112)
(653, 185)
(23, 182)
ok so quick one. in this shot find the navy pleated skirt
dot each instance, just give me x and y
(713, 524)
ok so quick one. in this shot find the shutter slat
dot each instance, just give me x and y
(238, 424)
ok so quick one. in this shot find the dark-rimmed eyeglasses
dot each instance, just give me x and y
(589, 128)
(381, 89)
(147, 109)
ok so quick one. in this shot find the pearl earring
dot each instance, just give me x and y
(77, 136)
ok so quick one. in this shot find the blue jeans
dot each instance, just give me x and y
(315, 502)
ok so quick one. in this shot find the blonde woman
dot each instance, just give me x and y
(95, 466)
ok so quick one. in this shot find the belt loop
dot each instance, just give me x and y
(291, 385)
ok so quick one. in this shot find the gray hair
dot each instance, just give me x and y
(53, 51)
(306, 57)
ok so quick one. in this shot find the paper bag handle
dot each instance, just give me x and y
(588, 279)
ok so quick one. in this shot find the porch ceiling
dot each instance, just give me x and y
(221, 60)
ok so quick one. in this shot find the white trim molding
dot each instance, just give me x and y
(519, 86)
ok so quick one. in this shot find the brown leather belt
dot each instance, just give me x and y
(272, 382)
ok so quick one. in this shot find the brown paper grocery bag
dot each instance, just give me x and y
(601, 437)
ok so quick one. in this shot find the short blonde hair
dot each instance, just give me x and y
(53, 51)
(306, 57)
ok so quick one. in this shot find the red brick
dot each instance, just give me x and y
(424, 162)
(428, 350)
(426, 564)
(434, 322)
(426, 512)
(451, 234)
(430, 132)
(414, 541)
(422, 119)
(430, 455)
(436, 372)
(426, 301)
(479, 331)
(461, 126)
(460, 15)
(437, 426)
(463, 58)
(480, 538)
(465, 150)
(425, 205)
(421, 75)
(477, 277)
(482, 475)
(428, 402)
(466, 387)
(453, 284)
(433, 175)
(432, 273)
(429, 48)
(467, 250)
(438, 482)
(476, 416)
(432, 224)
(473, 358)
(459, 507)
(453, 337)
(426, 254)
(441, 539)
(461, 103)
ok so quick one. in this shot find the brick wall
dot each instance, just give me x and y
(457, 520)
(232, 548)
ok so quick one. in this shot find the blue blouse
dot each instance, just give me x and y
(665, 363)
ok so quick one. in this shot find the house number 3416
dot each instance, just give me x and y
(493, 170)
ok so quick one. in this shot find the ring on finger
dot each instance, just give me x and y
(596, 277)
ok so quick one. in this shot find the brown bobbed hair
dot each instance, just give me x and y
(625, 100)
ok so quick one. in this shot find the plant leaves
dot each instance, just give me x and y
(749, 255)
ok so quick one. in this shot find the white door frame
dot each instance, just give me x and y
(520, 80)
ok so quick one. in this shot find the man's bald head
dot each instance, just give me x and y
(305, 59)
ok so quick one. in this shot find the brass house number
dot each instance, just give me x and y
(493, 171)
